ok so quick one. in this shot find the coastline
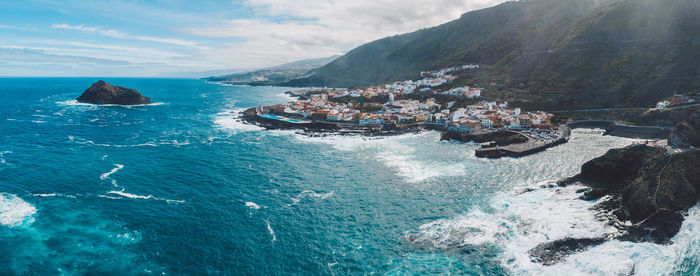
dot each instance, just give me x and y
(530, 143)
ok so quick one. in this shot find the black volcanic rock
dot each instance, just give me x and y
(647, 191)
(105, 93)
(647, 187)
(553, 252)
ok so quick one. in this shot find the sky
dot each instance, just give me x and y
(155, 38)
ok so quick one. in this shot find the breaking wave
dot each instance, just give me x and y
(252, 205)
(230, 120)
(80, 141)
(407, 154)
(516, 223)
(15, 212)
(76, 103)
(135, 196)
(272, 232)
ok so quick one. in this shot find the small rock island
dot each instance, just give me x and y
(104, 93)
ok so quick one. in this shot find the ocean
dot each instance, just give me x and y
(182, 187)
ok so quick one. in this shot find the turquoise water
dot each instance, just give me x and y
(182, 187)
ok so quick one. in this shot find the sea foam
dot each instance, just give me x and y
(77, 103)
(272, 232)
(15, 212)
(114, 170)
(230, 120)
(410, 155)
(517, 222)
(135, 196)
(252, 205)
(312, 194)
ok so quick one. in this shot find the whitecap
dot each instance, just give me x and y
(46, 195)
(129, 237)
(108, 174)
(252, 205)
(272, 232)
(310, 193)
(55, 195)
(125, 194)
(135, 196)
(15, 212)
(2, 156)
(90, 142)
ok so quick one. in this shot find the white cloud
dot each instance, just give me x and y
(122, 35)
(286, 30)
(276, 32)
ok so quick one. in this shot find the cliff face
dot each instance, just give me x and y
(105, 93)
(647, 187)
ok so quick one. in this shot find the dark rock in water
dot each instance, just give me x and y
(659, 228)
(553, 252)
(647, 187)
(105, 93)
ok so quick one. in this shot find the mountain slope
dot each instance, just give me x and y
(545, 53)
(275, 74)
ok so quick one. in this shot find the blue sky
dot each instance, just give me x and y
(176, 38)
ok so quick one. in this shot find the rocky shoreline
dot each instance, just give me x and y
(500, 143)
(643, 192)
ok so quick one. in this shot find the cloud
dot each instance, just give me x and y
(12, 27)
(14, 54)
(152, 37)
(285, 30)
(20, 61)
(122, 35)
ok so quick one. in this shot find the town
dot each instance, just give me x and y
(413, 105)
(379, 106)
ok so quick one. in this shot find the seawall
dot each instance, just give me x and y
(628, 131)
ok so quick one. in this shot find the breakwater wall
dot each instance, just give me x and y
(517, 151)
(629, 131)
(477, 138)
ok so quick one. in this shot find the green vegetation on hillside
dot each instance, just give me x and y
(545, 54)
